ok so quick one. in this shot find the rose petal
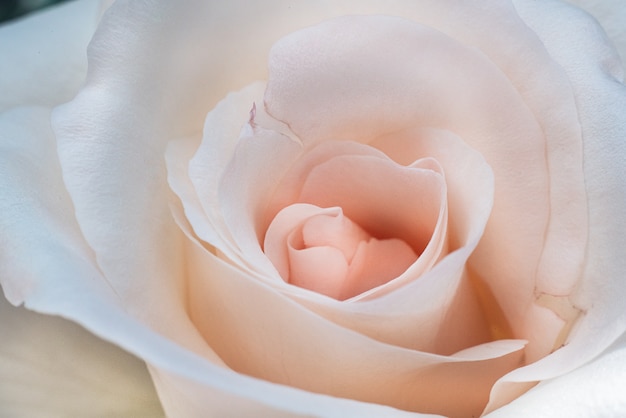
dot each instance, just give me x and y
(382, 197)
(592, 69)
(43, 55)
(611, 14)
(469, 180)
(195, 169)
(38, 226)
(375, 263)
(327, 358)
(221, 133)
(275, 243)
(292, 182)
(595, 389)
(324, 251)
(335, 230)
(305, 270)
(111, 153)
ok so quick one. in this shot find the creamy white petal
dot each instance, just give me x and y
(593, 390)
(595, 72)
(612, 16)
(44, 260)
(111, 141)
(44, 58)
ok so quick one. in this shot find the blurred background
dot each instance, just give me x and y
(11, 9)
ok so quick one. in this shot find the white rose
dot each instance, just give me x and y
(90, 235)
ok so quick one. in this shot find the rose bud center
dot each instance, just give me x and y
(358, 223)
(330, 254)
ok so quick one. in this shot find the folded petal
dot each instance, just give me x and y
(276, 339)
(595, 72)
(110, 143)
(611, 14)
(418, 84)
(44, 259)
(43, 55)
(595, 389)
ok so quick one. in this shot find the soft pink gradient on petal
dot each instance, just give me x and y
(292, 182)
(336, 230)
(320, 269)
(337, 361)
(513, 256)
(324, 251)
(413, 305)
(382, 197)
(375, 263)
(281, 227)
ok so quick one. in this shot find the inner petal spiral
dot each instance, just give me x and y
(330, 254)
(357, 222)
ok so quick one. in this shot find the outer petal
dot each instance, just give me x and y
(595, 73)
(594, 390)
(43, 55)
(612, 16)
(180, 61)
(110, 141)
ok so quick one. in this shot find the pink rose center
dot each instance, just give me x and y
(358, 223)
(330, 254)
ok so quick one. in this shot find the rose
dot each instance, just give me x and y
(73, 257)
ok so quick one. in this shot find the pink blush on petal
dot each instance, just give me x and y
(384, 198)
(330, 254)
(334, 230)
(358, 223)
(375, 263)
(320, 269)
